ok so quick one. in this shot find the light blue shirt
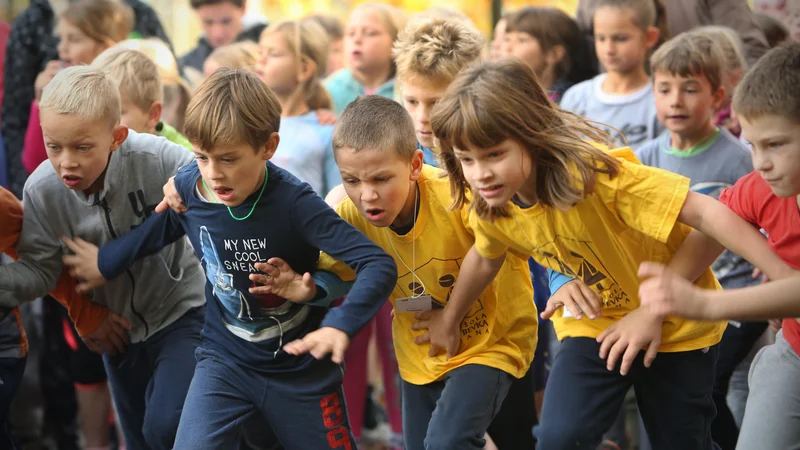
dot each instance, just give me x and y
(344, 88)
(633, 115)
(306, 150)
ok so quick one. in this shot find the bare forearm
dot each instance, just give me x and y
(695, 255)
(766, 301)
(474, 277)
(716, 221)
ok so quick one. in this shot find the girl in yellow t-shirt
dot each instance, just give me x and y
(543, 186)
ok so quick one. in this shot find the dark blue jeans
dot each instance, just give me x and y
(228, 404)
(11, 370)
(455, 412)
(583, 398)
(150, 380)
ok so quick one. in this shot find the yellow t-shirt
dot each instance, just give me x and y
(499, 331)
(629, 219)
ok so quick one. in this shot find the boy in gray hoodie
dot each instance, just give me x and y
(101, 181)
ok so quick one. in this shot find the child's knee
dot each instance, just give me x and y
(447, 439)
(160, 427)
(569, 435)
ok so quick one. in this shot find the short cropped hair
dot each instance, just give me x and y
(198, 3)
(137, 75)
(232, 106)
(83, 91)
(691, 54)
(436, 49)
(375, 122)
(770, 87)
(644, 11)
(104, 21)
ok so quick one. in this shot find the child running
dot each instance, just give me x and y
(539, 188)
(242, 209)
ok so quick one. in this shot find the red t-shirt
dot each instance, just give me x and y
(753, 200)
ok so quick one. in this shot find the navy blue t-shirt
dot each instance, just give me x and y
(290, 221)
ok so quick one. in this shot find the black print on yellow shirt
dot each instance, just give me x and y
(445, 273)
(612, 294)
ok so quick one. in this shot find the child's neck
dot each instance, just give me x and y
(547, 79)
(527, 193)
(686, 142)
(617, 83)
(373, 79)
(405, 220)
(293, 105)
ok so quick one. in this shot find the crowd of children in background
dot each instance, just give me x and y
(571, 222)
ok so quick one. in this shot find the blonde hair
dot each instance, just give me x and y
(362, 125)
(500, 100)
(436, 49)
(770, 87)
(232, 106)
(394, 18)
(332, 25)
(239, 55)
(175, 91)
(84, 91)
(644, 11)
(307, 41)
(691, 54)
(104, 21)
(136, 74)
(729, 42)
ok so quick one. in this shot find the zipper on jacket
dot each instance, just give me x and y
(107, 211)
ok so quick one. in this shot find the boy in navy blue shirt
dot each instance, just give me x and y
(241, 210)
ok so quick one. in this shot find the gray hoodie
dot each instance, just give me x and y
(153, 292)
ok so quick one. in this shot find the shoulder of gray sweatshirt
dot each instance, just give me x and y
(153, 292)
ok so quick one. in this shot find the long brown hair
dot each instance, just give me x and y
(307, 40)
(495, 101)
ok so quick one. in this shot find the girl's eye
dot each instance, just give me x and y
(350, 181)
(83, 148)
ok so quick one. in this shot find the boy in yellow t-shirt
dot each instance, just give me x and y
(402, 205)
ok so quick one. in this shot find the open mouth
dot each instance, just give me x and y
(71, 180)
(224, 193)
(375, 214)
(491, 191)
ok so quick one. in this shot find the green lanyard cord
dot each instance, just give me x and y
(263, 186)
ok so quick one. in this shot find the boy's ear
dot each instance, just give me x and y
(416, 165)
(154, 115)
(120, 133)
(271, 146)
(651, 37)
(717, 98)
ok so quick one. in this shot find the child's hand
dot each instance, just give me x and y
(326, 117)
(637, 330)
(110, 337)
(665, 293)
(83, 264)
(320, 343)
(171, 199)
(444, 333)
(578, 298)
(44, 77)
(758, 274)
(281, 280)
